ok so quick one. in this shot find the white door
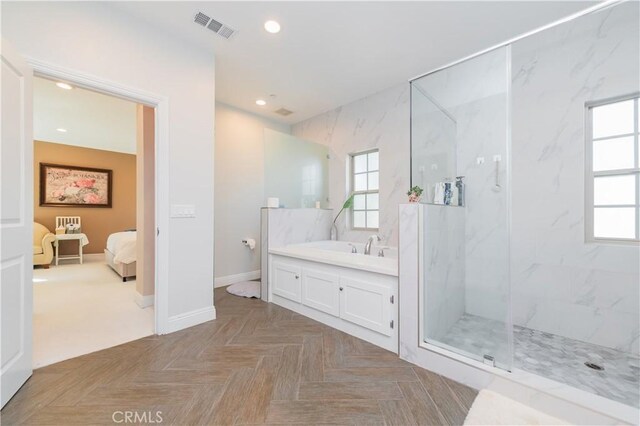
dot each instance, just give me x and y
(320, 291)
(366, 304)
(16, 223)
(286, 281)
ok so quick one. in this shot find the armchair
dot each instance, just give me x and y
(42, 245)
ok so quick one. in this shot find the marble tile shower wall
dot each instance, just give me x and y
(562, 285)
(294, 226)
(433, 151)
(474, 94)
(378, 121)
(482, 134)
(434, 159)
(444, 265)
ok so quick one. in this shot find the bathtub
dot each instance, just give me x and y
(351, 292)
(339, 253)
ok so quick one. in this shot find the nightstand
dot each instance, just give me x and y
(80, 238)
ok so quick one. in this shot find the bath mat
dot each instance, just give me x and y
(245, 289)
(491, 408)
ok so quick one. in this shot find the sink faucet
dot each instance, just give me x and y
(367, 247)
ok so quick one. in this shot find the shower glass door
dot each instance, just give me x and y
(460, 139)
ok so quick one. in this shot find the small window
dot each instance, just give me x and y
(365, 175)
(613, 170)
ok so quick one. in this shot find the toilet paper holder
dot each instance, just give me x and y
(249, 242)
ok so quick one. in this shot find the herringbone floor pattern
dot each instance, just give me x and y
(257, 363)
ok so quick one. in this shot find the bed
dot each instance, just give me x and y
(120, 253)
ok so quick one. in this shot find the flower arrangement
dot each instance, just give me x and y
(415, 194)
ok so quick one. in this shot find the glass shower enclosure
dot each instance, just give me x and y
(460, 157)
(529, 157)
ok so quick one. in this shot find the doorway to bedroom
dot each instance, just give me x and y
(94, 221)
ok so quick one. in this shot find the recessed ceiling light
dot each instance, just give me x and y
(64, 85)
(261, 102)
(272, 27)
(60, 129)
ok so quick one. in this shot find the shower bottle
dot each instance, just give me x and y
(460, 186)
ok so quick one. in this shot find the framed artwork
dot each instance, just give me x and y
(73, 186)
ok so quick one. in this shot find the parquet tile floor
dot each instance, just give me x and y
(257, 363)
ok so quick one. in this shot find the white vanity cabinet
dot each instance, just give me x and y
(367, 304)
(320, 290)
(286, 282)
(360, 303)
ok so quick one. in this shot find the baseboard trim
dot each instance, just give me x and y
(199, 316)
(144, 301)
(231, 279)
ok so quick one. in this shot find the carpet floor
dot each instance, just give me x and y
(79, 309)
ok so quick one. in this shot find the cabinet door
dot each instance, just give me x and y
(320, 291)
(286, 281)
(366, 304)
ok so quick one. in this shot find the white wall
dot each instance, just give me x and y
(562, 285)
(239, 188)
(378, 121)
(94, 39)
(92, 119)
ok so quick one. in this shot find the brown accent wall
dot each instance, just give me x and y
(97, 223)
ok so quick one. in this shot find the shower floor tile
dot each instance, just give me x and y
(554, 357)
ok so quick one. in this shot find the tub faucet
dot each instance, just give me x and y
(367, 247)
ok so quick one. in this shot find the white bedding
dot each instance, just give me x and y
(123, 247)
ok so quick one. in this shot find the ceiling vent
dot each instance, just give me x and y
(217, 27)
(283, 112)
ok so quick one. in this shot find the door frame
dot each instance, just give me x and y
(161, 181)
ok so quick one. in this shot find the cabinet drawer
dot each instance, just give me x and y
(286, 281)
(366, 304)
(320, 291)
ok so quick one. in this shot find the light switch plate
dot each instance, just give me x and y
(183, 210)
